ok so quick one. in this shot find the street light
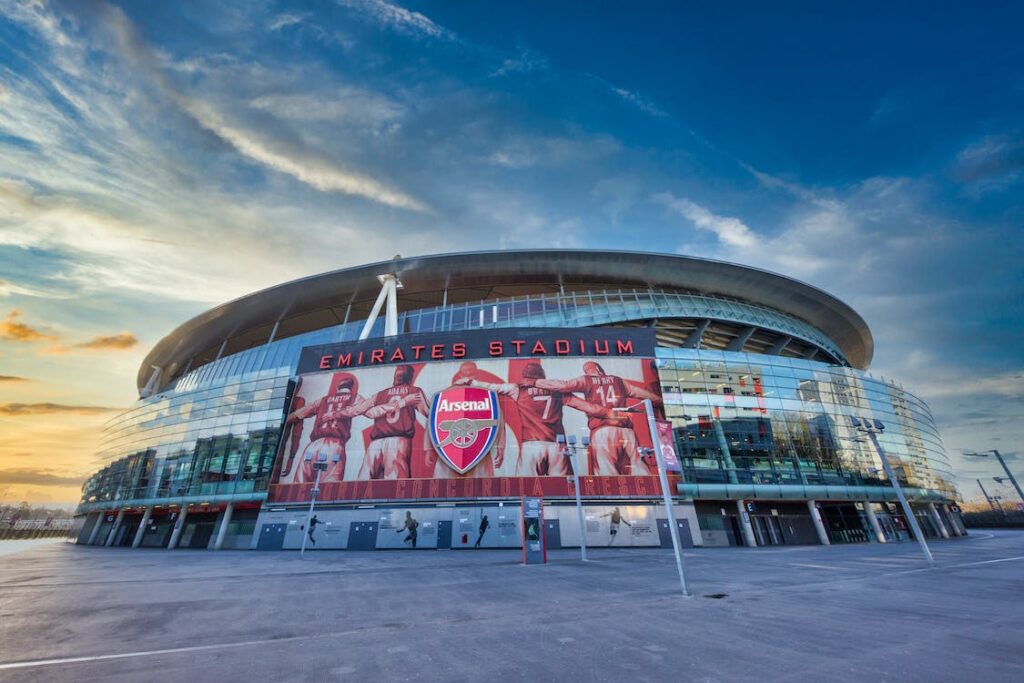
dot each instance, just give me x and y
(872, 428)
(659, 458)
(320, 466)
(991, 500)
(569, 449)
(985, 454)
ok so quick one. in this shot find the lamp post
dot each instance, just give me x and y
(320, 466)
(666, 495)
(991, 501)
(569, 449)
(871, 428)
(1013, 480)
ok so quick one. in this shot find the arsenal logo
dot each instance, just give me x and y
(463, 424)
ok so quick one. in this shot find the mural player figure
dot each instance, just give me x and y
(332, 428)
(613, 528)
(393, 411)
(411, 525)
(483, 529)
(312, 525)
(540, 413)
(613, 444)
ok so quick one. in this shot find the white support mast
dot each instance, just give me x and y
(389, 286)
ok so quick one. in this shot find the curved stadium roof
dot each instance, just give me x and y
(322, 300)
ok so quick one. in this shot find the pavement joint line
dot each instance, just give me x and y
(80, 659)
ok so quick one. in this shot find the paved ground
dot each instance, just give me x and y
(854, 613)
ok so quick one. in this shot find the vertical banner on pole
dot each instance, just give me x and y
(534, 548)
(668, 446)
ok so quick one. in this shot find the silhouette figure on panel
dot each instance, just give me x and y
(484, 523)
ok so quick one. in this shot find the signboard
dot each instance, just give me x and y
(534, 548)
(668, 446)
(471, 427)
(509, 343)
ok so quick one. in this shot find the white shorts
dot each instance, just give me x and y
(327, 447)
(387, 458)
(542, 458)
(614, 451)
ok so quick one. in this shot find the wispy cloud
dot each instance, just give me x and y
(639, 101)
(124, 340)
(27, 409)
(12, 378)
(13, 330)
(282, 20)
(290, 157)
(524, 62)
(38, 477)
(730, 231)
(399, 19)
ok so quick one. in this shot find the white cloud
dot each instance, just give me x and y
(399, 19)
(308, 167)
(731, 231)
(283, 20)
(639, 101)
(344, 105)
(525, 151)
(524, 62)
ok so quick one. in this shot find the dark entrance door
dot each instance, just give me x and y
(682, 528)
(363, 536)
(201, 535)
(271, 537)
(552, 534)
(126, 534)
(444, 534)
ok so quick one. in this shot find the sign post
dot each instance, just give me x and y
(666, 495)
(534, 549)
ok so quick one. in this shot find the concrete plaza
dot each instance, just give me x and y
(841, 613)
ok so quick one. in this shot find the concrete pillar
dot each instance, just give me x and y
(937, 518)
(223, 531)
(876, 528)
(96, 528)
(114, 528)
(748, 529)
(178, 527)
(955, 520)
(141, 531)
(819, 526)
(723, 446)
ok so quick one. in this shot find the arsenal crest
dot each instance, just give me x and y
(463, 424)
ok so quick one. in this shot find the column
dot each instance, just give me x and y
(179, 526)
(96, 528)
(114, 528)
(223, 531)
(938, 520)
(723, 445)
(748, 530)
(954, 519)
(873, 520)
(141, 531)
(819, 526)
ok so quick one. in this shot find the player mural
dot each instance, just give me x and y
(475, 428)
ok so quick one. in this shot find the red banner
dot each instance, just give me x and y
(468, 487)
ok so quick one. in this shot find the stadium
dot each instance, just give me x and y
(413, 403)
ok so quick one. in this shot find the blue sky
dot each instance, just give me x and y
(159, 158)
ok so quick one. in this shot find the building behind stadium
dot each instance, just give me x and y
(335, 375)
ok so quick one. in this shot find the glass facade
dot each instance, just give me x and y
(739, 418)
(751, 419)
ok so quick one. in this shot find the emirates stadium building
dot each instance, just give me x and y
(414, 404)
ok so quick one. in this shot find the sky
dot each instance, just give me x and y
(157, 159)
